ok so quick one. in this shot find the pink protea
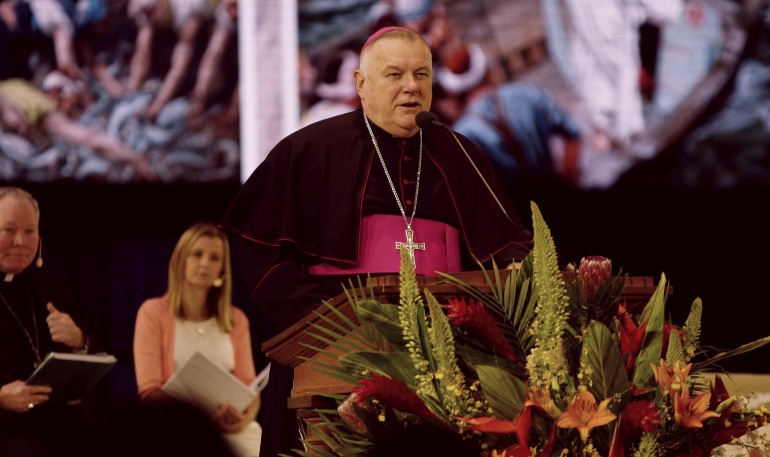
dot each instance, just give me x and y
(393, 393)
(474, 318)
(593, 271)
(350, 416)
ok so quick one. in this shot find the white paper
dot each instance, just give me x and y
(204, 384)
(260, 382)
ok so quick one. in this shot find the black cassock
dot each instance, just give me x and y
(304, 203)
(24, 340)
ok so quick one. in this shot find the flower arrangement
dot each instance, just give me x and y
(543, 365)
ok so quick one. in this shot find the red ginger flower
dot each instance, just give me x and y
(639, 416)
(593, 271)
(631, 337)
(393, 393)
(520, 425)
(476, 320)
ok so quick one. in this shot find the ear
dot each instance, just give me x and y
(359, 78)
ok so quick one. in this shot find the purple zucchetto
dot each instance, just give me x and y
(381, 32)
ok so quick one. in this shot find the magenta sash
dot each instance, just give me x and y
(378, 253)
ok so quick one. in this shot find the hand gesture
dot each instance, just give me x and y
(21, 398)
(63, 328)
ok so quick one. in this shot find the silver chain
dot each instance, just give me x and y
(390, 181)
(34, 344)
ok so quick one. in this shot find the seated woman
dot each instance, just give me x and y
(196, 315)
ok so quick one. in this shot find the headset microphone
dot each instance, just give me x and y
(39, 261)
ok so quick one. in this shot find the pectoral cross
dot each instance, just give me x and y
(410, 245)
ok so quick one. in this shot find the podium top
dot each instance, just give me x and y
(292, 346)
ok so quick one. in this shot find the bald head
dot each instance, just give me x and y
(403, 34)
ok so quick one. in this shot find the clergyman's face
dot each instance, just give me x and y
(19, 236)
(394, 83)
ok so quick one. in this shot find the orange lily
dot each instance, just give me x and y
(517, 450)
(540, 398)
(691, 413)
(583, 414)
(671, 379)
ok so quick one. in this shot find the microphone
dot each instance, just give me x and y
(39, 262)
(425, 119)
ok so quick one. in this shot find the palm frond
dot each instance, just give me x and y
(396, 365)
(714, 360)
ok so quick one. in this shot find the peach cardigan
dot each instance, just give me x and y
(154, 345)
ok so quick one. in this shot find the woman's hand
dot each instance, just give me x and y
(18, 397)
(230, 420)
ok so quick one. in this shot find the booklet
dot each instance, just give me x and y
(70, 375)
(204, 384)
(262, 377)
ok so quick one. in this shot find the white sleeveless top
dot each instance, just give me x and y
(204, 337)
(207, 338)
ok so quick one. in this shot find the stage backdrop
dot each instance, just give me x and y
(120, 92)
(679, 182)
(685, 196)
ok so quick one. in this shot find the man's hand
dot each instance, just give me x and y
(21, 398)
(63, 328)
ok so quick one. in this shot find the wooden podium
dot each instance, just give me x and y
(291, 346)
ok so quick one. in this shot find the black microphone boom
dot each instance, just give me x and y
(425, 119)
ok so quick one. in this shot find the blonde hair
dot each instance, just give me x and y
(219, 299)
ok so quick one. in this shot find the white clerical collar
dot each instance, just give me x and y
(8, 277)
